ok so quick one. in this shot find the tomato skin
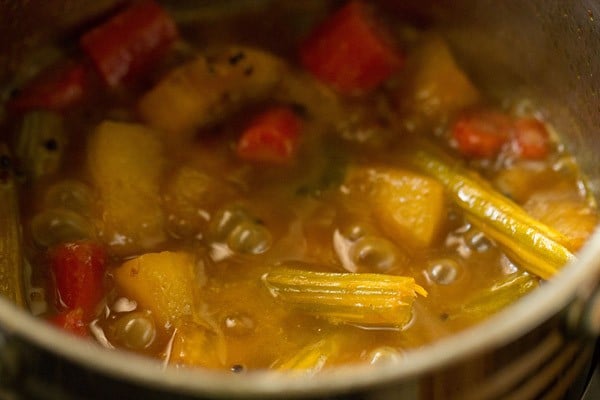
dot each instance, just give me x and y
(71, 321)
(272, 137)
(531, 140)
(78, 269)
(55, 90)
(130, 41)
(485, 134)
(350, 51)
(482, 134)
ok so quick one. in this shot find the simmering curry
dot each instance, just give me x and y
(291, 189)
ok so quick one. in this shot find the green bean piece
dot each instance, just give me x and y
(500, 295)
(10, 239)
(536, 247)
(40, 143)
(361, 299)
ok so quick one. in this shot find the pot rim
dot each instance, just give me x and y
(498, 330)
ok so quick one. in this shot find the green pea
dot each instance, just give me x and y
(58, 225)
(71, 195)
(225, 221)
(135, 330)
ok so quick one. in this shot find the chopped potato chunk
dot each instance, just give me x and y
(163, 283)
(410, 207)
(197, 344)
(126, 164)
(521, 180)
(566, 213)
(209, 88)
(435, 86)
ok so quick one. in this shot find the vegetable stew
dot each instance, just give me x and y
(322, 187)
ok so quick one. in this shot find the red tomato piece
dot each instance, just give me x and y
(78, 269)
(350, 51)
(482, 134)
(55, 89)
(531, 140)
(71, 321)
(271, 137)
(130, 41)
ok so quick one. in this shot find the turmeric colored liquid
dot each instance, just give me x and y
(306, 210)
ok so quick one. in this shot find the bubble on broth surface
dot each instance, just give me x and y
(377, 254)
(443, 271)
(249, 238)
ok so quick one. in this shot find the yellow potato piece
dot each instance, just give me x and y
(164, 283)
(197, 344)
(569, 215)
(126, 164)
(435, 86)
(207, 89)
(409, 207)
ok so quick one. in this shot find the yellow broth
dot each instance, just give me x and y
(309, 207)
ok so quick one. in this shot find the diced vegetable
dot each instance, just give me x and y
(78, 269)
(500, 295)
(410, 207)
(272, 137)
(226, 220)
(320, 102)
(434, 87)
(249, 237)
(126, 163)
(531, 140)
(11, 256)
(538, 248)
(71, 321)
(209, 88)
(40, 143)
(130, 42)
(57, 89)
(520, 180)
(482, 134)
(135, 330)
(568, 214)
(240, 231)
(164, 283)
(351, 51)
(311, 358)
(363, 299)
(71, 195)
(59, 225)
(197, 344)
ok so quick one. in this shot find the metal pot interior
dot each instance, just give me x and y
(544, 50)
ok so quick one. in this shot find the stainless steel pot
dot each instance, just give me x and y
(541, 347)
